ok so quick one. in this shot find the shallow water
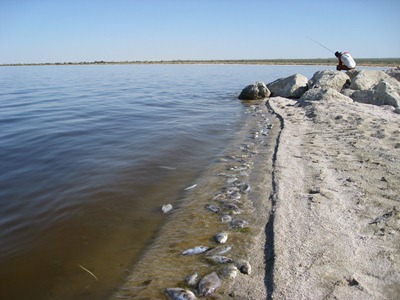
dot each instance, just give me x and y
(88, 154)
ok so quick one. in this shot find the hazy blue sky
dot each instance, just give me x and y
(68, 30)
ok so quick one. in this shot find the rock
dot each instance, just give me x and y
(347, 92)
(394, 72)
(363, 96)
(325, 94)
(335, 80)
(366, 79)
(352, 73)
(290, 87)
(255, 91)
(387, 93)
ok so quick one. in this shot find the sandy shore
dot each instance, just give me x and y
(337, 170)
(320, 179)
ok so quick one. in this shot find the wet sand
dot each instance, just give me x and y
(191, 224)
(319, 179)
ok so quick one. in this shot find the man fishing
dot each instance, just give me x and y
(346, 62)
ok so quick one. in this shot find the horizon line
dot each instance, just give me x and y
(389, 60)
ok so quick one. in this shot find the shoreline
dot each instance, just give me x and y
(361, 62)
(327, 171)
(191, 224)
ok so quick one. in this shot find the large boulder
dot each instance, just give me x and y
(329, 79)
(255, 91)
(352, 73)
(290, 87)
(394, 72)
(387, 93)
(325, 94)
(367, 79)
(367, 97)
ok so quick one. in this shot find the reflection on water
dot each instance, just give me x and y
(80, 155)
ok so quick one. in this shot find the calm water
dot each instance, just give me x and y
(88, 154)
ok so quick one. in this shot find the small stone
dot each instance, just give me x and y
(315, 190)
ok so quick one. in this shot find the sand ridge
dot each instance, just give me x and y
(337, 169)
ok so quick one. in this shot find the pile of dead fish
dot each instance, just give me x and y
(226, 204)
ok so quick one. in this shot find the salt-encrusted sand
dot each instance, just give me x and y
(337, 171)
(322, 211)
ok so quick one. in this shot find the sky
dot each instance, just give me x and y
(49, 31)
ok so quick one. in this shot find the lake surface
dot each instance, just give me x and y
(89, 154)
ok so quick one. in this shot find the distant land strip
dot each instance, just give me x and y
(372, 62)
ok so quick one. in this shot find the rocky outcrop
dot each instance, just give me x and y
(364, 86)
(386, 93)
(394, 72)
(367, 79)
(255, 91)
(375, 87)
(317, 94)
(290, 87)
(329, 79)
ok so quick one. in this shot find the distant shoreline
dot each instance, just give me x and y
(366, 62)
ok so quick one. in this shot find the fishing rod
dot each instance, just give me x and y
(321, 45)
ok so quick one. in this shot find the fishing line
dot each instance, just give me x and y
(321, 45)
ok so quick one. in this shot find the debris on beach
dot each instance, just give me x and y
(190, 187)
(208, 284)
(195, 250)
(180, 294)
(166, 208)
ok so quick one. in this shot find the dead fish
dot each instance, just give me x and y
(239, 223)
(243, 266)
(208, 284)
(214, 209)
(167, 168)
(180, 294)
(231, 206)
(235, 196)
(190, 187)
(219, 196)
(232, 180)
(245, 188)
(192, 279)
(219, 259)
(386, 217)
(221, 237)
(226, 219)
(166, 208)
(229, 271)
(218, 250)
(195, 250)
